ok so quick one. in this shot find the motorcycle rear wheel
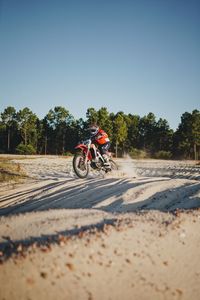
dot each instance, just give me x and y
(81, 168)
(113, 165)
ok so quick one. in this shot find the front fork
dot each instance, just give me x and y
(87, 154)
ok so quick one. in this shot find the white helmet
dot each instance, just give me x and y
(93, 130)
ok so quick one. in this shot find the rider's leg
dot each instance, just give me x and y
(104, 152)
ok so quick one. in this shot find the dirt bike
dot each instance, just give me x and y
(83, 160)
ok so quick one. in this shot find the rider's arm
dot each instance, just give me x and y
(100, 134)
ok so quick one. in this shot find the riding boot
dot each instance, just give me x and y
(106, 160)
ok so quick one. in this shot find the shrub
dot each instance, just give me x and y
(68, 154)
(136, 153)
(163, 154)
(25, 149)
(10, 171)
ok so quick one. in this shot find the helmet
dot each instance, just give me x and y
(93, 129)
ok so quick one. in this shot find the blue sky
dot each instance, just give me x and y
(134, 56)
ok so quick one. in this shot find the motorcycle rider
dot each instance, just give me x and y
(100, 139)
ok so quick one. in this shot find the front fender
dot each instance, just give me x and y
(81, 147)
(84, 148)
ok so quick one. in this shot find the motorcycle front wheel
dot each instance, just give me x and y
(80, 167)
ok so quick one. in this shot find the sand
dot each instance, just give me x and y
(131, 234)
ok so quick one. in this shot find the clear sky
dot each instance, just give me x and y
(135, 56)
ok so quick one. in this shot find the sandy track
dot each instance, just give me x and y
(55, 190)
(55, 205)
(59, 188)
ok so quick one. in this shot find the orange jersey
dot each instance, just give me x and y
(101, 137)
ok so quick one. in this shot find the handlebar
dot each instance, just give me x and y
(87, 142)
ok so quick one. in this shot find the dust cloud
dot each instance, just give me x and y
(127, 168)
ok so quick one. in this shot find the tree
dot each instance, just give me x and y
(147, 127)
(104, 120)
(8, 118)
(132, 122)
(187, 136)
(26, 120)
(58, 132)
(91, 115)
(100, 117)
(80, 130)
(119, 131)
(41, 134)
(59, 120)
(163, 136)
(196, 133)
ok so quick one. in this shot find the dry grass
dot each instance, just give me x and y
(10, 171)
(8, 157)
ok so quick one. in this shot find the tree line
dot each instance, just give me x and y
(58, 132)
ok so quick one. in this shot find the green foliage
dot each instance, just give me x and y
(104, 120)
(92, 116)
(132, 122)
(147, 129)
(68, 153)
(26, 121)
(58, 133)
(100, 117)
(58, 127)
(25, 149)
(119, 131)
(187, 137)
(8, 125)
(163, 155)
(8, 116)
(138, 154)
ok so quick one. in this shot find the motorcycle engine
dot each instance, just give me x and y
(96, 165)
